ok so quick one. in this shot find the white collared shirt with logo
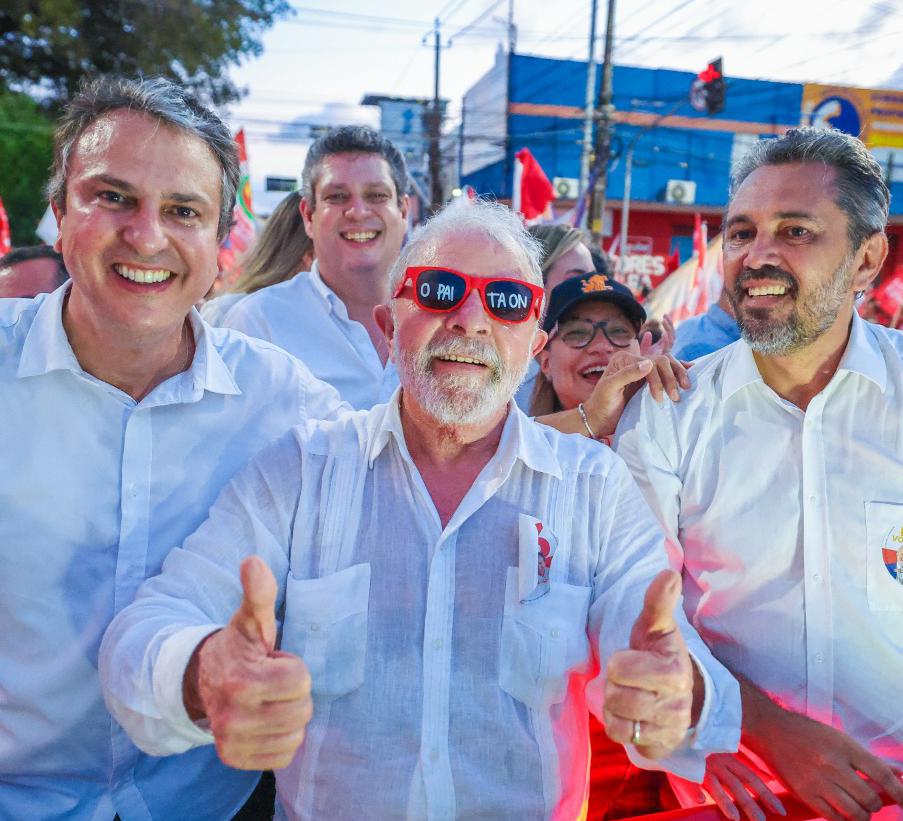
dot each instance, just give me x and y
(306, 318)
(95, 490)
(783, 522)
(437, 693)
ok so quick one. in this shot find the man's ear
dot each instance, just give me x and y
(539, 342)
(382, 315)
(405, 205)
(306, 210)
(58, 242)
(543, 359)
(873, 252)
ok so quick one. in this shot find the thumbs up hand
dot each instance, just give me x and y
(650, 688)
(256, 699)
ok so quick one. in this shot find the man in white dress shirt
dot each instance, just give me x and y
(355, 207)
(122, 415)
(779, 476)
(452, 574)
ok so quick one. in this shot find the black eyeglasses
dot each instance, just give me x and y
(578, 333)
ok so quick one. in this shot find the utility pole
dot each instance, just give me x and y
(603, 132)
(461, 145)
(435, 164)
(507, 165)
(590, 110)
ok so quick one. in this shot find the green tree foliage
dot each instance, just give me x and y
(26, 138)
(48, 46)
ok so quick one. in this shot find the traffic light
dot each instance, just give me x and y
(708, 90)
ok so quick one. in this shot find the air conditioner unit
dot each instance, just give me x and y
(680, 192)
(566, 188)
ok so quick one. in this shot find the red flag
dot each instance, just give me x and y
(244, 230)
(672, 263)
(700, 232)
(6, 243)
(690, 289)
(533, 192)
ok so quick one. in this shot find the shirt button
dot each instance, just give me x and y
(816, 577)
(819, 658)
(554, 632)
(437, 644)
(314, 627)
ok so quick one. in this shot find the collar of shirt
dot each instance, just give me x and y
(329, 297)
(46, 348)
(521, 439)
(862, 356)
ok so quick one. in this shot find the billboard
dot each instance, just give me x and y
(873, 115)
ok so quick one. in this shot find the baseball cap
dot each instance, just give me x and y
(592, 286)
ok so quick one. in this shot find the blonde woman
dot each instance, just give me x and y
(281, 251)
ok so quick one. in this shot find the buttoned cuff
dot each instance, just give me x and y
(169, 672)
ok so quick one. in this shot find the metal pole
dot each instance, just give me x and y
(461, 146)
(625, 208)
(603, 134)
(435, 122)
(590, 109)
(508, 163)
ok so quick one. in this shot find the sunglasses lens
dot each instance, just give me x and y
(509, 301)
(440, 290)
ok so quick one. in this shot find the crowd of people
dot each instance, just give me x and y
(429, 523)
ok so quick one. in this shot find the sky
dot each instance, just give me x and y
(319, 62)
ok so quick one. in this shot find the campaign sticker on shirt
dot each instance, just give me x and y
(884, 522)
(537, 545)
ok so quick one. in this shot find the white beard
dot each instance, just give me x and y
(459, 399)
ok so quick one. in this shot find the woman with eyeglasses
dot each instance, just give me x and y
(594, 360)
(593, 323)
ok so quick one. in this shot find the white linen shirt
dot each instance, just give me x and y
(780, 520)
(306, 318)
(437, 694)
(95, 489)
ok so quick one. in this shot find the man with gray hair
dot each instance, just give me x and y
(452, 574)
(777, 479)
(123, 415)
(354, 204)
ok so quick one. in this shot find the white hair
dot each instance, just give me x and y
(497, 223)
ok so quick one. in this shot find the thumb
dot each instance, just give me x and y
(255, 618)
(625, 376)
(656, 620)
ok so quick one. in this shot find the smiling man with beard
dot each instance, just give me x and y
(779, 481)
(453, 575)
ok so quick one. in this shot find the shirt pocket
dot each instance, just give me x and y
(542, 642)
(884, 562)
(326, 625)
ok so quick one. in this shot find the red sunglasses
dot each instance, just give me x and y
(443, 289)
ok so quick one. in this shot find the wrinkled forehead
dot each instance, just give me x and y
(474, 253)
(786, 187)
(358, 169)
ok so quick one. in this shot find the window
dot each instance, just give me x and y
(281, 183)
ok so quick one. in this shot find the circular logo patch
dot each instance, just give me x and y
(893, 553)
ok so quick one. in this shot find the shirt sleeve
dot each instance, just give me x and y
(319, 399)
(244, 318)
(147, 646)
(631, 557)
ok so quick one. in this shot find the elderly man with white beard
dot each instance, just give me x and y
(454, 577)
